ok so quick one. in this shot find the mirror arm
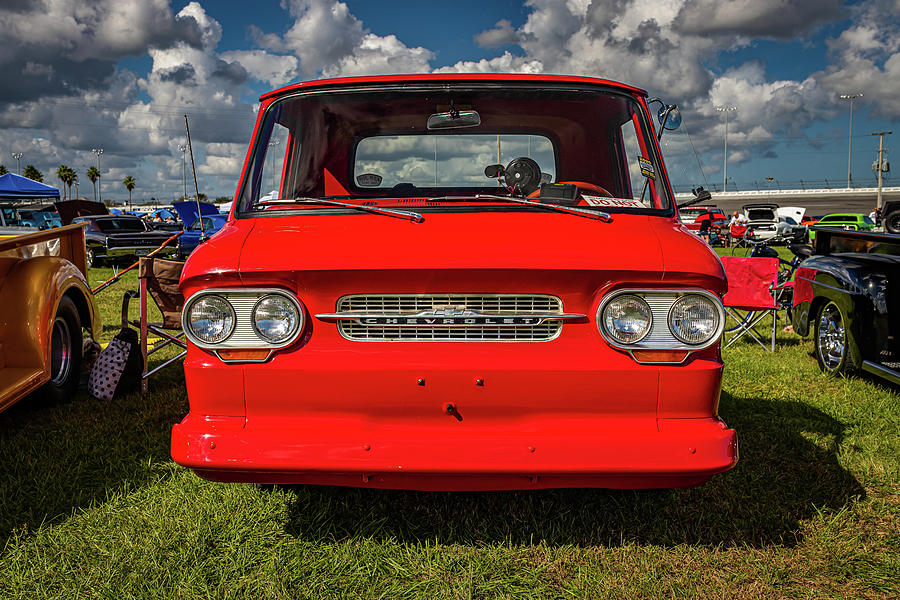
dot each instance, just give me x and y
(700, 195)
(662, 126)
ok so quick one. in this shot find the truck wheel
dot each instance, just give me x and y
(65, 354)
(892, 221)
(833, 342)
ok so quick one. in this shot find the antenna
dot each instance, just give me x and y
(187, 129)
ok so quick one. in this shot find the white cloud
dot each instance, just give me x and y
(378, 55)
(867, 58)
(274, 69)
(505, 63)
(785, 19)
(323, 34)
(501, 35)
(61, 47)
(330, 41)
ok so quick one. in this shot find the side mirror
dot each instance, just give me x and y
(454, 119)
(669, 117)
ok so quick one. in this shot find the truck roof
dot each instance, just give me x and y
(450, 77)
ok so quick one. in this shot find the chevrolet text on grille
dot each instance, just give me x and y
(458, 317)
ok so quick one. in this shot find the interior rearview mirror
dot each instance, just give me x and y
(454, 119)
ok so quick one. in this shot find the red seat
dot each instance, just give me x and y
(737, 232)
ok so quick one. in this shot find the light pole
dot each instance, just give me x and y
(850, 97)
(725, 109)
(18, 156)
(183, 148)
(98, 152)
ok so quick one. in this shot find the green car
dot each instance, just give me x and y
(854, 221)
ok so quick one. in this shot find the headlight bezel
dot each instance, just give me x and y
(244, 335)
(660, 336)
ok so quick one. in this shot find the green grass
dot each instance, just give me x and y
(91, 506)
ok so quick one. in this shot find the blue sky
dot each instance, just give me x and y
(119, 74)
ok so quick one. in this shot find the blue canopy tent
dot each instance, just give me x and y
(16, 187)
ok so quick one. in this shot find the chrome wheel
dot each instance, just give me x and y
(60, 351)
(89, 256)
(831, 339)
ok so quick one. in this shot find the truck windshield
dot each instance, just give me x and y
(584, 146)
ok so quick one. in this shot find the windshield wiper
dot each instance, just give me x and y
(581, 212)
(388, 212)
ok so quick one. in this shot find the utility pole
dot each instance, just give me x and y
(18, 157)
(881, 151)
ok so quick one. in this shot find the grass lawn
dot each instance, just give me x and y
(91, 505)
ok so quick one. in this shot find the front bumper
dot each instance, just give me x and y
(540, 453)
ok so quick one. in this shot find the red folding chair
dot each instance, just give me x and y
(752, 295)
(738, 234)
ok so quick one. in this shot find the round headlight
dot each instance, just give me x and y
(694, 319)
(626, 319)
(275, 318)
(211, 319)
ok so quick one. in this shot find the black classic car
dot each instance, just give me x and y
(110, 237)
(847, 297)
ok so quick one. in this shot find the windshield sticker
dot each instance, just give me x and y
(646, 168)
(612, 202)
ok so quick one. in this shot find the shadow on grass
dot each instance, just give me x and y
(60, 458)
(781, 479)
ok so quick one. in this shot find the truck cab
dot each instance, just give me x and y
(454, 282)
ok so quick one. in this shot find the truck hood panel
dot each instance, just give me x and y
(505, 240)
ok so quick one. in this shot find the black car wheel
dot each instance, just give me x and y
(892, 221)
(65, 353)
(833, 342)
(92, 260)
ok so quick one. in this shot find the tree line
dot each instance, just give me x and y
(69, 177)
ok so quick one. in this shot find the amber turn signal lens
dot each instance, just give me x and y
(659, 356)
(252, 355)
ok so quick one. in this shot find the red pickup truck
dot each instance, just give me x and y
(454, 282)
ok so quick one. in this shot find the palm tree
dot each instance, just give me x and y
(93, 174)
(67, 176)
(3, 170)
(31, 172)
(129, 184)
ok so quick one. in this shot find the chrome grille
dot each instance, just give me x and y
(510, 305)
